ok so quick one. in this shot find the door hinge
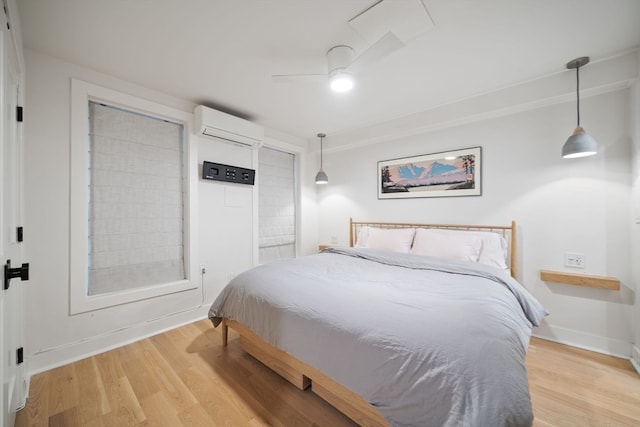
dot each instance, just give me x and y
(19, 355)
(13, 273)
(19, 113)
(19, 234)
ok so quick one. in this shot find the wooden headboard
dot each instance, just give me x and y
(506, 231)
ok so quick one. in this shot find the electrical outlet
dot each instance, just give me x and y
(575, 260)
(334, 240)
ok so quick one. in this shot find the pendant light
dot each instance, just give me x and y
(580, 143)
(321, 176)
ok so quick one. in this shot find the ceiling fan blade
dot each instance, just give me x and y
(294, 78)
(386, 45)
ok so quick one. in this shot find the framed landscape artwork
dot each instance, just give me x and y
(445, 174)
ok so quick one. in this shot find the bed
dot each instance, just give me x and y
(411, 325)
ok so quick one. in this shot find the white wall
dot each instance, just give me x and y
(635, 214)
(226, 221)
(54, 336)
(225, 217)
(560, 205)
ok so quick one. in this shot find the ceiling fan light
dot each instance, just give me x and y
(579, 144)
(341, 81)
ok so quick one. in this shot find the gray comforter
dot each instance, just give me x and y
(427, 342)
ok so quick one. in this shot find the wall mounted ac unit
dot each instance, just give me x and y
(221, 125)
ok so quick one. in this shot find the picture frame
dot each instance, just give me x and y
(452, 173)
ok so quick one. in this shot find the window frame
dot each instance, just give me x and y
(79, 300)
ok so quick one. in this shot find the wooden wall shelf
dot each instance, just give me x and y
(601, 282)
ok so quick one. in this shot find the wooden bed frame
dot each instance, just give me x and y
(305, 376)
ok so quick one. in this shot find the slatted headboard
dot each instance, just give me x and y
(506, 231)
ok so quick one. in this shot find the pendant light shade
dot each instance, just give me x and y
(580, 143)
(321, 176)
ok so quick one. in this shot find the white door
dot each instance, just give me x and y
(11, 303)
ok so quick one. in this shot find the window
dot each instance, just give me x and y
(135, 200)
(133, 183)
(277, 204)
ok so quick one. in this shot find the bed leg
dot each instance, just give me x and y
(225, 332)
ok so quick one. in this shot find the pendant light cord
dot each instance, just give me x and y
(578, 93)
(321, 152)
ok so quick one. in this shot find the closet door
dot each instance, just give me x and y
(11, 293)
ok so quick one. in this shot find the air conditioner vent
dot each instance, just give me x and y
(216, 124)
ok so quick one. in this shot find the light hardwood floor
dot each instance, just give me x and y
(185, 377)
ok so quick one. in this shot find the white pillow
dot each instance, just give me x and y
(447, 244)
(494, 249)
(363, 235)
(390, 239)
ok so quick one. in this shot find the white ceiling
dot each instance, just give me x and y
(223, 53)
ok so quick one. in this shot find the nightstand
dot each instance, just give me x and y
(602, 282)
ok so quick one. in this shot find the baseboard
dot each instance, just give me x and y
(599, 344)
(635, 358)
(59, 356)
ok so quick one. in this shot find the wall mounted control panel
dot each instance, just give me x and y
(220, 172)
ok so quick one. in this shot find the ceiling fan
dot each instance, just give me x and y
(343, 64)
